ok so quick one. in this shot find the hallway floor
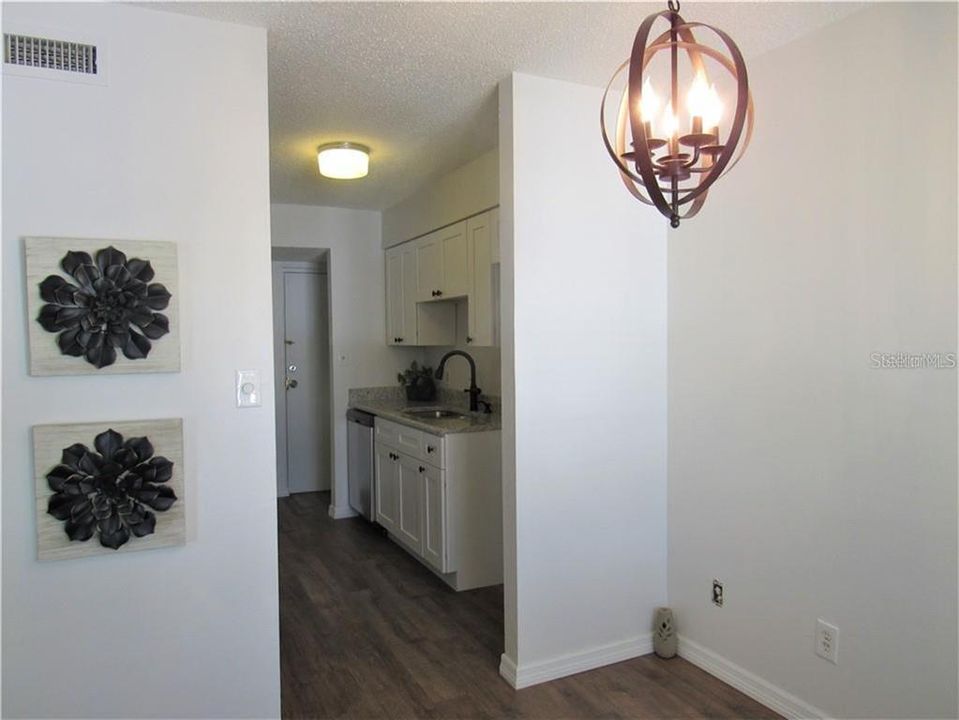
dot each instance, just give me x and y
(368, 632)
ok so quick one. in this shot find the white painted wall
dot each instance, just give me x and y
(174, 148)
(811, 484)
(361, 357)
(465, 191)
(586, 403)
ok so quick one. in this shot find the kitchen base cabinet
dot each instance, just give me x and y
(386, 481)
(440, 497)
(409, 528)
(434, 521)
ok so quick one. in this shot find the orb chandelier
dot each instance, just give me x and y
(669, 156)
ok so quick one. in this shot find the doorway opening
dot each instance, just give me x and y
(302, 362)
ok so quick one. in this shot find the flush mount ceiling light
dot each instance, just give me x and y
(659, 163)
(343, 160)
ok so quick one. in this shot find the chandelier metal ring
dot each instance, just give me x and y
(656, 180)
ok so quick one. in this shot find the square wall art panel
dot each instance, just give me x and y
(100, 307)
(104, 488)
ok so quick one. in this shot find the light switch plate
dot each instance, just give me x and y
(248, 388)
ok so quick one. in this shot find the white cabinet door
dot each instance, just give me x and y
(410, 328)
(434, 519)
(386, 468)
(409, 528)
(456, 275)
(401, 295)
(480, 234)
(429, 267)
(395, 319)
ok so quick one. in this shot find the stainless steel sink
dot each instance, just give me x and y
(435, 413)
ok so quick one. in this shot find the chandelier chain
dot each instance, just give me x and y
(673, 5)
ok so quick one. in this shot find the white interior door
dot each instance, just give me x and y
(307, 374)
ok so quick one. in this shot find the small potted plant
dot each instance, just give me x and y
(418, 382)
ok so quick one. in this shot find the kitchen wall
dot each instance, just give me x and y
(361, 357)
(465, 191)
(811, 484)
(174, 147)
(584, 388)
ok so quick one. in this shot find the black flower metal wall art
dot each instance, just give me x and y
(106, 491)
(110, 306)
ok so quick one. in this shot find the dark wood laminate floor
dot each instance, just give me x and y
(368, 632)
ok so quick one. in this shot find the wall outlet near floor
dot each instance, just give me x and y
(827, 641)
(717, 593)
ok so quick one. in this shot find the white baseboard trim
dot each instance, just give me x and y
(338, 513)
(748, 683)
(545, 670)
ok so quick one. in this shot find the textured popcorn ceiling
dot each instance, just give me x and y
(417, 81)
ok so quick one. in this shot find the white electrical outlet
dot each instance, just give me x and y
(827, 641)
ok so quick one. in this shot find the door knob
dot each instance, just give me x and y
(291, 383)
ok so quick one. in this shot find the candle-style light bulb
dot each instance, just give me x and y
(670, 125)
(713, 111)
(649, 102)
(704, 105)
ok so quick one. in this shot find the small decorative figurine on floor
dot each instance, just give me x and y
(664, 634)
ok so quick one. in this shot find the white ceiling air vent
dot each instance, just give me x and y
(41, 55)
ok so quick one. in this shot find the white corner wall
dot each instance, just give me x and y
(174, 148)
(584, 363)
(811, 484)
(357, 277)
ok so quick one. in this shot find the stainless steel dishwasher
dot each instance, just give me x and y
(359, 450)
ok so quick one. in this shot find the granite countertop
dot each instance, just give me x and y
(390, 402)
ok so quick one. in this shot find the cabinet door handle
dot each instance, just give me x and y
(399, 340)
(469, 339)
(422, 469)
(439, 293)
(430, 449)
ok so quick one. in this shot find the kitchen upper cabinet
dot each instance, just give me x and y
(408, 322)
(456, 263)
(429, 267)
(442, 264)
(456, 272)
(401, 320)
(482, 239)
